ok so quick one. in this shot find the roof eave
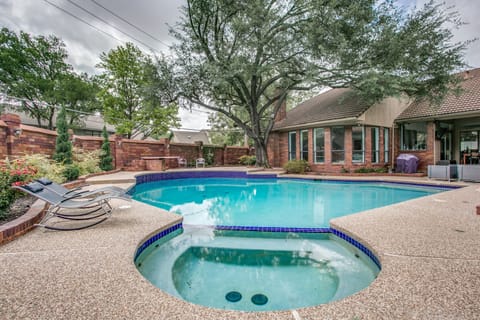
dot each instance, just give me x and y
(325, 123)
(449, 116)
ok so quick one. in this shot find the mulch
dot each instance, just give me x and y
(18, 208)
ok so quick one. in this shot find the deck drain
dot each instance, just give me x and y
(259, 299)
(233, 296)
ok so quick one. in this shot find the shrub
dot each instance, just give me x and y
(15, 172)
(71, 172)
(106, 155)
(208, 155)
(87, 161)
(63, 145)
(296, 166)
(247, 160)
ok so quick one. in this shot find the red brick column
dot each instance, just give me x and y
(13, 130)
(119, 163)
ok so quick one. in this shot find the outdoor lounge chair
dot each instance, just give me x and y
(77, 192)
(200, 162)
(71, 208)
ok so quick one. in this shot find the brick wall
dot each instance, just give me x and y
(127, 153)
(3, 137)
(233, 154)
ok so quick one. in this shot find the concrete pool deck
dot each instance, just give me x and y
(429, 249)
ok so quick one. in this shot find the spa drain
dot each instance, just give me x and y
(259, 299)
(233, 296)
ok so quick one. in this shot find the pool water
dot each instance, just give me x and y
(256, 271)
(271, 202)
(262, 271)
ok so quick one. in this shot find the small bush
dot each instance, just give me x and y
(371, 170)
(296, 166)
(87, 161)
(71, 172)
(247, 160)
(13, 173)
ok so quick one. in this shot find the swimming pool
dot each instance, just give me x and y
(271, 202)
(292, 260)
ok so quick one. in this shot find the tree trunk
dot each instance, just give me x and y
(261, 153)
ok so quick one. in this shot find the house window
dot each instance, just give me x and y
(358, 144)
(413, 136)
(319, 147)
(375, 145)
(292, 145)
(304, 145)
(338, 144)
(386, 144)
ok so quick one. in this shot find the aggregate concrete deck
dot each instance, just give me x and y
(429, 249)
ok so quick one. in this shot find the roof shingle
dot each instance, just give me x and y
(334, 104)
(467, 101)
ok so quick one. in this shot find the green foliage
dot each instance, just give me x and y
(224, 131)
(296, 166)
(242, 59)
(87, 161)
(78, 93)
(247, 160)
(13, 173)
(371, 170)
(208, 155)
(26, 168)
(71, 172)
(105, 155)
(31, 68)
(63, 145)
(129, 97)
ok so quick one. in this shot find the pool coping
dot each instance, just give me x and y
(429, 270)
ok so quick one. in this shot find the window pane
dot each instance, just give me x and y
(358, 144)
(319, 137)
(292, 145)
(338, 144)
(375, 145)
(414, 136)
(304, 144)
(386, 144)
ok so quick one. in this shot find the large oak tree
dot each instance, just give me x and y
(242, 58)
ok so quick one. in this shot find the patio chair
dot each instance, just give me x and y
(71, 208)
(182, 162)
(78, 192)
(200, 162)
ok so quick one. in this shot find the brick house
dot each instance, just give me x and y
(334, 131)
(449, 131)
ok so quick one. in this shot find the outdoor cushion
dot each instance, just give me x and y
(34, 187)
(44, 181)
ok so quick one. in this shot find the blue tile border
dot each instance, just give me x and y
(151, 177)
(358, 245)
(156, 237)
(333, 231)
(272, 229)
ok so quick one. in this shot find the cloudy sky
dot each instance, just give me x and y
(90, 27)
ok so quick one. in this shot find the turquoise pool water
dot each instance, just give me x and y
(271, 202)
(203, 266)
(262, 271)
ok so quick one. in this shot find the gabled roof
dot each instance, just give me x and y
(190, 136)
(467, 101)
(335, 104)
